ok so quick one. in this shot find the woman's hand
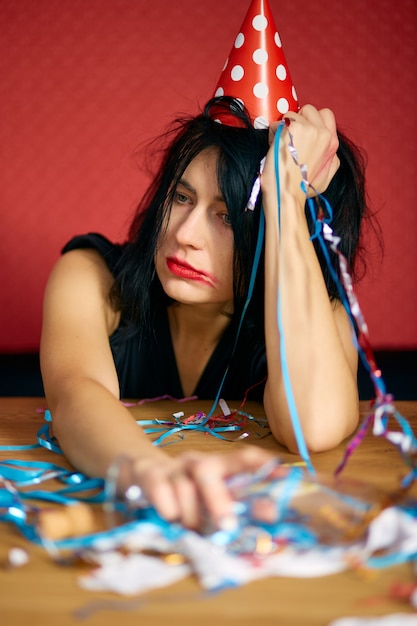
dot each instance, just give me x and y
(192, 486)
(314, 137)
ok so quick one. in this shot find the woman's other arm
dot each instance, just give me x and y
(321, 356)
(78, 371)
(92, 425)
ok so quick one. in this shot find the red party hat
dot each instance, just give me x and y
(256, 71)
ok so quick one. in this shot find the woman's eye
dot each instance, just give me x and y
(181, 197)
(226, 219)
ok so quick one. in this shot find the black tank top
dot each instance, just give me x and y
(145, 362)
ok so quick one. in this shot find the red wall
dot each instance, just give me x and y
(84, 82)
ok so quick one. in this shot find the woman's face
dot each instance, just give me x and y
(194, 260)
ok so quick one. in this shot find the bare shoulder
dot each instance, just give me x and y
(83, 264)
(82, 277)
(78, 319)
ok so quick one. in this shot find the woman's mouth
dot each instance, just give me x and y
(184, 270)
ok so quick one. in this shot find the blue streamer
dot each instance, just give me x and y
(24, 473)
(292, 406)
(17, 448)
(45, 440)
(257, 255)
(318, 234)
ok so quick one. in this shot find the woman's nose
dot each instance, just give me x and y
(192, 228)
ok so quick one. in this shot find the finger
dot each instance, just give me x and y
(321, 118)
(187, 497)
(324, 122)
(317, 117)
(166, 486)
(310, 114)
(174, 496)
(210, 474)
(158, 489)
(329, 119)
(245, 458)
(264, 510)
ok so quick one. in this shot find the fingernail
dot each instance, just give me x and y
(227, 523)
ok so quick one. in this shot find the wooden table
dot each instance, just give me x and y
(46, 594)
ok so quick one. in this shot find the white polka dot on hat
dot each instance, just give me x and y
(256, 71)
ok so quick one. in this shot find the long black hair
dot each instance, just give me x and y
(138, 292)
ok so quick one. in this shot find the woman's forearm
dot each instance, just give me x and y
(93, 427)
(319, 352)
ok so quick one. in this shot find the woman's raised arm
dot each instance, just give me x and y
(319, 351)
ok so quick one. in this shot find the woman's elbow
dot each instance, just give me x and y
(322, 430)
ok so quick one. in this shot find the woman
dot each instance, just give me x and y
(159, 315)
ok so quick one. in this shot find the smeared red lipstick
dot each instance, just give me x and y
(184, 270)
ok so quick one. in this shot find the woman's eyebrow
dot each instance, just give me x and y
(187, 185)
(184, 182)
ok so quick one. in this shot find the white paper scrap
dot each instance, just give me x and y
(133, 574)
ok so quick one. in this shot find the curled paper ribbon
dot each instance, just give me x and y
(214, 425)
(383, 406)
(256, 188)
